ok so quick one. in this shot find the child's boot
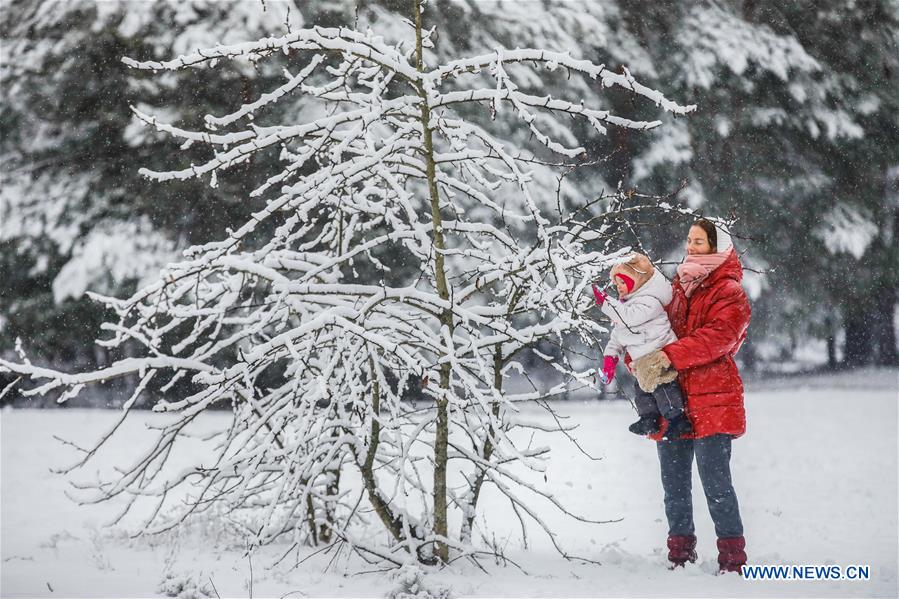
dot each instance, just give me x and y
(678, 427)
(647, 425)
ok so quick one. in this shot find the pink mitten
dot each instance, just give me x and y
(599, 295)
(608, 368)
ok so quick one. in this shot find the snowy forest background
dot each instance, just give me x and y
(796, 136)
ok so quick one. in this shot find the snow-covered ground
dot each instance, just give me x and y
(816, 476)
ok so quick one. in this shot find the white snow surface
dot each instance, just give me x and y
(816, 476)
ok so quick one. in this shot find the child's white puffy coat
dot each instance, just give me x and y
(641, 324)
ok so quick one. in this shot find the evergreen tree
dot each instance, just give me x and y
(794, 135)
(77, 216)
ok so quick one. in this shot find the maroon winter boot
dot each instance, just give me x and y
(681, 549)
(731, 554)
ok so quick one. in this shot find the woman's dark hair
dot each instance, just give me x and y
(710, 231)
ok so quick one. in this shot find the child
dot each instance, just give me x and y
(640, 328)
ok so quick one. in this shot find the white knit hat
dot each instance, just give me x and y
(724, 241)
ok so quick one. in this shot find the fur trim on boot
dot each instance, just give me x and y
(653, 370)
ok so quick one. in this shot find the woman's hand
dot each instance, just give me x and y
(652, 370)
(660, 358)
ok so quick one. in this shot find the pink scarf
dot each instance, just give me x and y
(696, 268)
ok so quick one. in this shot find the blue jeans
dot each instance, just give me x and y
(713, 460)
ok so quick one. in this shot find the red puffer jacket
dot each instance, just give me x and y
(710, 327)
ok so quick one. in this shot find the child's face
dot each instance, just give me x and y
(619, 286)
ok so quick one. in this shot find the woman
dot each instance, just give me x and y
(709, 313)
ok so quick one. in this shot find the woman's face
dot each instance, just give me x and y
(698, 241)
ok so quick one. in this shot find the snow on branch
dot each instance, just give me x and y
(552, 61)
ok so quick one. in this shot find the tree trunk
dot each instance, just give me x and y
(332, 490)
(379, 503)
(831, 351)
(887, 297)
(885, 329)
(486, 451)
(831, 342)
(859, 345)
(441, 440)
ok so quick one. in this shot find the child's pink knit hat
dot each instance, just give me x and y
(634, 273)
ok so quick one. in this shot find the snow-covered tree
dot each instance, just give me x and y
(389, 168)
